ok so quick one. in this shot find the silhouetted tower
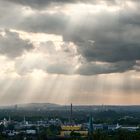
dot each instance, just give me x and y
(24, 120)
(9, 120)
(90, 129)
(71, 107)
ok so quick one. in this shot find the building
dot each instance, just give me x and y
(130, 128)
(71, 127)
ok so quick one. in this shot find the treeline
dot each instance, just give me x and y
(109, 117)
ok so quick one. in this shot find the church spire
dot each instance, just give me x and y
(90, 129)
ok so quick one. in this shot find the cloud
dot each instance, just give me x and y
(93, 68)
(10, 19)
(12, 45)
(109, 36)
(39, 4)
(49, 23)
(115, 36)
(49, 59)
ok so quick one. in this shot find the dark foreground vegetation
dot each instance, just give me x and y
(79, 116)
(97, 135)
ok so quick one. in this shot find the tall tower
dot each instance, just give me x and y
(71, 107)
(90, 129)
(9, 120)
(24, 120)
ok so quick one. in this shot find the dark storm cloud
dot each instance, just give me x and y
(115, 35)
(39, 4)
(48, 23)
(110, 52)
(95, 68)
(12, 45)
(114, 38)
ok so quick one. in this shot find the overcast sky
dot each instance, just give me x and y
(63, 51)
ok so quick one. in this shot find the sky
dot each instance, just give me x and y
(70, 51)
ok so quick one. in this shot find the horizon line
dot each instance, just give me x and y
(4, 105)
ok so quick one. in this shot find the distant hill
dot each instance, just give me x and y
(32, 106)
(38, 106)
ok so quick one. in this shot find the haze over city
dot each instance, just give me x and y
(84, 52)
